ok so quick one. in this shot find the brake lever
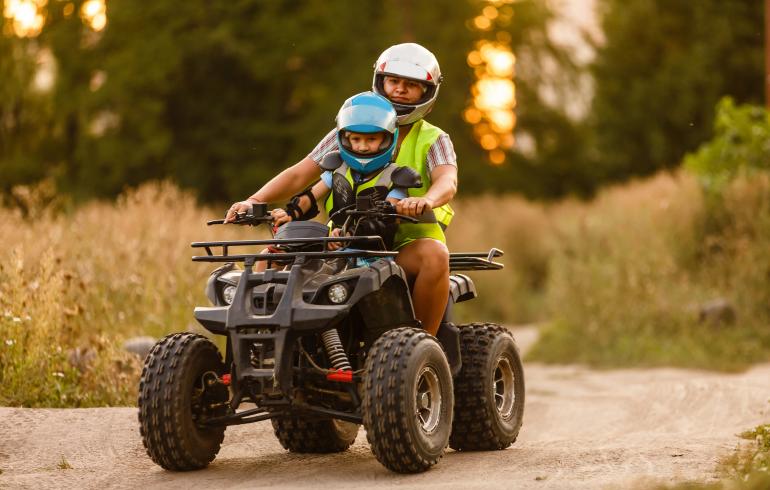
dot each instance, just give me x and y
(345, 210)
(242, 219)
(378, 214)
(404, 217)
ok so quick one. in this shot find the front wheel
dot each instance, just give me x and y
(174, 402)
(408, 400)
(489, 390)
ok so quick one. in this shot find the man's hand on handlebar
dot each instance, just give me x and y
(414, 206)
(240, 207)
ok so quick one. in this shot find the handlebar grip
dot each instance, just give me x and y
(242, 219)
(404, 217)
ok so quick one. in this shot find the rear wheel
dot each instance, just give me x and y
(300, 434)
(174, 402)
(408, 400)
(489, 390)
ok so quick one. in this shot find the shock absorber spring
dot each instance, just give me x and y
(334, 350)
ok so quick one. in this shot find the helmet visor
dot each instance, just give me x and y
(387, 142)
(405, 69)
(366, 119)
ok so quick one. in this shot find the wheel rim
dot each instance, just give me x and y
(503, 387)
(428, 399)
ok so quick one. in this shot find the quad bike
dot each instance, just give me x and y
(324, 341)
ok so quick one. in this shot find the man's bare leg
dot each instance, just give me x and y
(426, 263)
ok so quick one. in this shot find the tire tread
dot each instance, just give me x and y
(162, 422)
(472, 427)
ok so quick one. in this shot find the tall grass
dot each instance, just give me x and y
(633, 267)
(615, 281)
(74, 286)
(524, 231)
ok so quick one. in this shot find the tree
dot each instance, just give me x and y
(664, 66)
(220, 96)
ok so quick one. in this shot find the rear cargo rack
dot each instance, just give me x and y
(475, 261)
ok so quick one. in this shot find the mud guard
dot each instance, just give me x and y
(449, 336)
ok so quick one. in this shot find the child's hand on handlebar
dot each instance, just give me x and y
(280, 216)
(335, 245)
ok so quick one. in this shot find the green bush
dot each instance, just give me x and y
(741, 146)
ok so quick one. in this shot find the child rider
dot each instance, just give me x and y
(367, 131)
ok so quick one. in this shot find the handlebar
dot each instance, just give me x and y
(364, 207)
(242, 219)
(369, 208)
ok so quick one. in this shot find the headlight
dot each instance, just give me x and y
(228, 293)
(338, 293)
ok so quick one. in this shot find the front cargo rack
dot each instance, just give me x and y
(467, 261)
(290, 254)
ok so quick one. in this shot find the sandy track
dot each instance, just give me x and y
(582, 429)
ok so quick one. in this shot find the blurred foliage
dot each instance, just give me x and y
(637, 272)
(553, 167)
(741, 145)
(221, 96)
(660, 73)
(634, 274)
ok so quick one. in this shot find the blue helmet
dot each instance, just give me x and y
(367, 113)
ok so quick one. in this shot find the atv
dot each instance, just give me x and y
(323, 341)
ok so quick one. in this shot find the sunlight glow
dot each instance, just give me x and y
(494, 94)
(26, 16)
(94, 14)
(494, 98)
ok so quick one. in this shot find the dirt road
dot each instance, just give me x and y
(582, 429)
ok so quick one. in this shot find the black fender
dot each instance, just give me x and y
(213, 293)
(461, 288)
(449, 337)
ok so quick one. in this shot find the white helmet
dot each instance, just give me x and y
(412, 61)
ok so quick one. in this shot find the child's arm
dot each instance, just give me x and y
(396, 194)
(300, 205)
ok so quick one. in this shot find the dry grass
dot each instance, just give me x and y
(74, 286)
(633, 267)
(524, 231)
(618, 279)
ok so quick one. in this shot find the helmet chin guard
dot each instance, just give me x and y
(367, 113)
(413, 62)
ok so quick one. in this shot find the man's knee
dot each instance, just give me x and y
(438, 257)
(433, 256)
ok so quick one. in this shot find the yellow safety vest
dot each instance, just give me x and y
(413, 153)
